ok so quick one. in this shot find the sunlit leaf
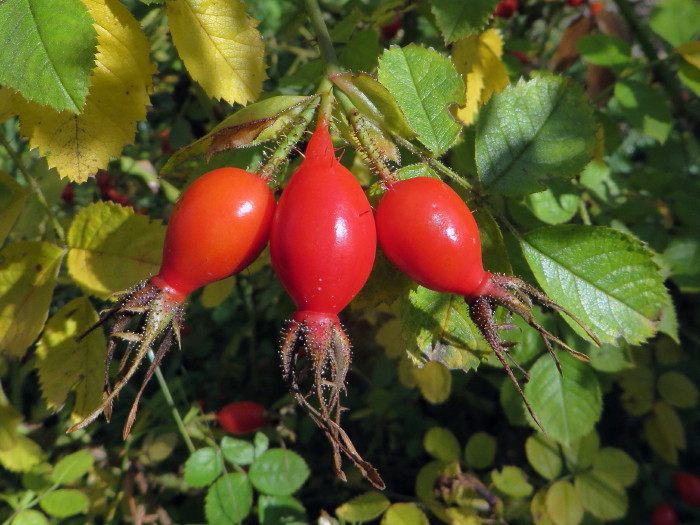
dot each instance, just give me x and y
(12, 197)
(533, 131)
(645, 107)
(544, 455)
(601, 495)
(511, 480)
(220, 46)
(617, 464)
(112, 248)
(459, 19)
(434, 381)
(564, 504)
(28, 272)
(78, 145)
(364, 507)
(72, 467)
(404, 514)
(478, 59)
(66, 365)
(424, 84)
(606, 278)
(678, 21)
(229, 500)
(23, 456)
(441, 443)
(51, 63)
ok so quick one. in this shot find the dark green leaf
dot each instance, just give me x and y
(276, 510)
(531, 132)
(278, 472)
(48, 51)
(229, 500)
(480, 450)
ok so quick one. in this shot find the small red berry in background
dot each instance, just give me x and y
(389, 30)
(506, 8)
(68, 195)
(575, 3)
(596, 7)
(688, 487)
(242, 417)
(664, 514)
(522, 57)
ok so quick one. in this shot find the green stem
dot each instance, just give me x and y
(60, 233)
(173, 409)
(666, 77)
(325, 44)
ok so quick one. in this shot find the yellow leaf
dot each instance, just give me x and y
(216, 293)
(22, 457)
(220, 46)
(690, 51)
(112, 248)
(434, 381)
(78, 145)
(28, 272)
(65, 364)
(9, 419)
(6, 109)
(477, 58)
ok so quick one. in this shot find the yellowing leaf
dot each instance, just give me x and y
(78, 145)
(28, 272)
(690, 51)
(6, 109)
(22, 457)
(112, 248)
(216, 293)
(12, 197)
(220, 46)
(434, 381)
(477, 58)
(65, 364)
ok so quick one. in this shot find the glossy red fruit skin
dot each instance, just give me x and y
(428, 232)
(242, 417)
(219, 225)
(664, 514)
(688, 488)
(506, 8)
(323, 237)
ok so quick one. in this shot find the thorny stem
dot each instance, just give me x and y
(171, 403)
(60, 233)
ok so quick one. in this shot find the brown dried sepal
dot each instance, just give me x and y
(323, 356)
(158, 316)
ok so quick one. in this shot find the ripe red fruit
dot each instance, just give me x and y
(68, 194)
(596, 7)
(389, 30)
(506, 8)
(322, 246)
(218, 226)
(664, 514)
(242, 417)
(428, 232)
(575, 3)
(688, 488)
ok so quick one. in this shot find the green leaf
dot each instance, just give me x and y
(441, 443)
(437, 327)
(65, 365)
(480, 450)
(12, 197)
(638, 389)
(9, 419)
(601, 495)
(531, 132)
(28, 272)
(605, 50)
(690, 75)
(237, 451)
(62, 503)
(665, 433)
(251, 125)
(361, 52)
(364, 507)
(512, 481)
(581, 454)
(404, 514)
(677, 390)
(459, 19)
(229, 500)
(30, 517)
(425, 480)
(678, 21)
(278, 472)
(203, 467)
(494, 253)
(683, 254)
(604, 277)
(52, 60)
(544, 456)
(424, 84)
(617, 464)
(434, 381)
(538, 509)
(569, 404)
(273, 510)
(72, 467)
(645, 107)
(555, 205)
(112, 247)
(261, 442)
(512, 403)
(564, 504)
(375, 102)
(22, 456)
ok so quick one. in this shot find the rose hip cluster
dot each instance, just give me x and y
(323, 237)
